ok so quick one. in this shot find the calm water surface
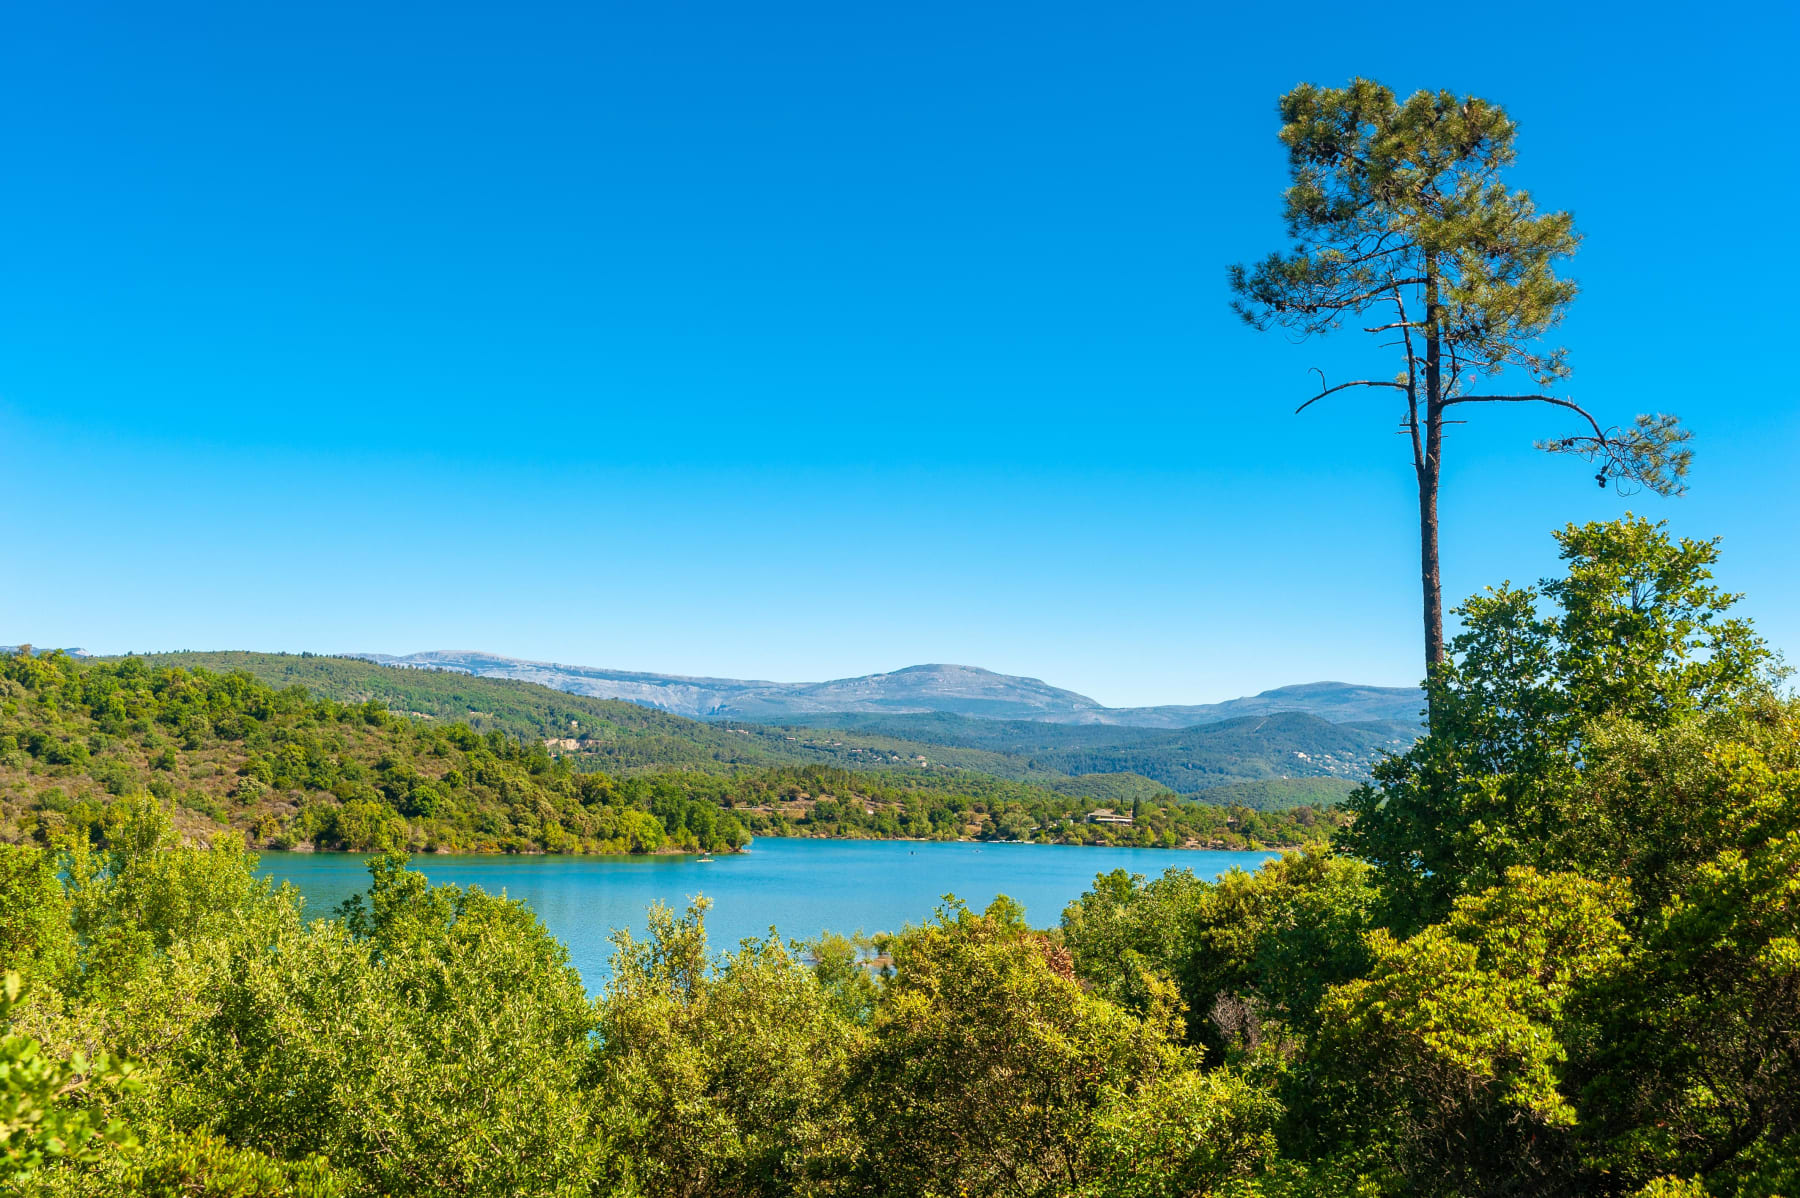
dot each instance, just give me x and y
(802, 887)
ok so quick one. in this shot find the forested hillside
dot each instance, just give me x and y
(1105, 762)
(620, 737)
(1260, 748)
(281, 768)
(628, 735)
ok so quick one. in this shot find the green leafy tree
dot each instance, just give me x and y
(1637, 665)
(1696, 1061)
(843, 972)
(34, 915)
(1247, 949)
(147, 891)
(41, 1123)
(1188, 1134)
(720, 1078)
(196, 1165)
(1400, 216)
(1128, 935)
(988, 1063)
(1268, 943)
(1441, 1069)
(432, 1042)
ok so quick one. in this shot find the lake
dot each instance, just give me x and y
(802, 887)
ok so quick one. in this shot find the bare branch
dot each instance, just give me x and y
(1378, 251)
(1549, 399)
(1412, 380)
(1342, 386)
(1351, 301)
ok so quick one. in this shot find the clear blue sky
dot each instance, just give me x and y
(799, 341)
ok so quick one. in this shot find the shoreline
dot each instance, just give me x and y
(1066, 844)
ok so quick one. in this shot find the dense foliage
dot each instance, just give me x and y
(1563, 959)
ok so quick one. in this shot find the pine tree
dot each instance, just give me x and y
(1398, 211)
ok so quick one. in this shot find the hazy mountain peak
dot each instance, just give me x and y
(932, 687)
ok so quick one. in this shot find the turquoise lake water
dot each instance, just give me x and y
(802, 887)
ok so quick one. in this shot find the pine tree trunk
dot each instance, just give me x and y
(1429, 577)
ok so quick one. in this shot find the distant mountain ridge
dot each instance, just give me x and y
(1262, 761)
(952, 689)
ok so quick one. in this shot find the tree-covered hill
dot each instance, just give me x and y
(1249, 748)
(233, 755)
(1107, 762)
(627, 733)
(1278, 794)
(1257, 748)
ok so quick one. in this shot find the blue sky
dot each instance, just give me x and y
(807, 340)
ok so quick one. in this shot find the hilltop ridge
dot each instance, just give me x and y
(938, 687)
(1287, 757)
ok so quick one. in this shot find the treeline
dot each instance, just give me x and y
(1558, 955)
(284, 769)
(821, 801)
